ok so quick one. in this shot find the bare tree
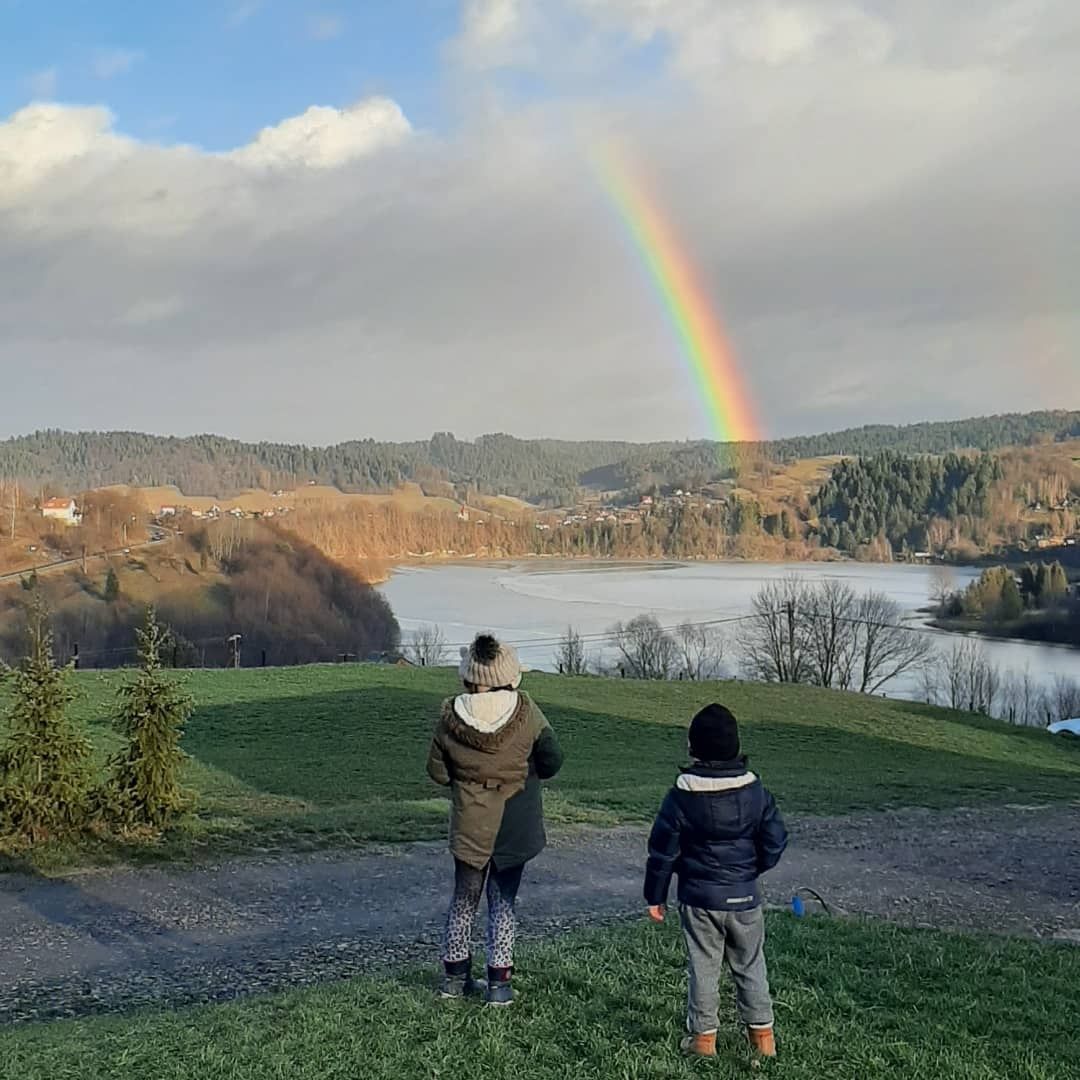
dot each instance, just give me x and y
(1010, 701)
(646, 649)
(570, 656)
(930, 681)
(1062, 700)
(773, 644)
(942, 588)
(969, 680)
(427, 647)
(225, 538)
(885, 648)
(953, 667)
(701, 651)
(1029, 699)
(831, 633)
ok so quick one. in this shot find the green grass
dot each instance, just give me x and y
(334, 755)
(854, 1001)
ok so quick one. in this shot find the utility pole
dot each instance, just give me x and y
(234, 651)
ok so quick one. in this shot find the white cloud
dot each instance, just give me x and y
(883, 204)
(108, 63)
(42, 84)
(325, 27)
(44, 140)
(495, 33)
(324, 137)
(707, 36)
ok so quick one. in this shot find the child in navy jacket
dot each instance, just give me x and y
(719, 830)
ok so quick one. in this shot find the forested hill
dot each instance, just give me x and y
(543, 471)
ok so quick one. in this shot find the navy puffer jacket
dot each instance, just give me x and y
(719, 830)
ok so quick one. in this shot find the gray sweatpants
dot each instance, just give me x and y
(734, 937)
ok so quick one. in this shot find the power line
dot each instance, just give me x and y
(611, 635)
(605, 636)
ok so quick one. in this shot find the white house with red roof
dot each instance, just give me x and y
(61, 509)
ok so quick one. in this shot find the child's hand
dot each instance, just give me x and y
(656, 913)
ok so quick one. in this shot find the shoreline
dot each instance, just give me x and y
(925, 616)
(971, 628)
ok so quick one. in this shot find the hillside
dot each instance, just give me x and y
(287, 600)
(541, 471)
(327, 757)
(334, 754)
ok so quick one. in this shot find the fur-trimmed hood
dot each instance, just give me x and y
(487, 727)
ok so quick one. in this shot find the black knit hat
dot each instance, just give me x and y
(714, 734)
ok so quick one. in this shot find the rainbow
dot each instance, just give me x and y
(702, 341)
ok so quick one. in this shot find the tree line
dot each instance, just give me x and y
(371, 538)
(542, 471)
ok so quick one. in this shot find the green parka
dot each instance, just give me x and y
(494, 777)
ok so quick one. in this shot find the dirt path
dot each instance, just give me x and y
(106, 941)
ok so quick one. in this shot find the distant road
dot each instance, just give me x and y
(63, 564)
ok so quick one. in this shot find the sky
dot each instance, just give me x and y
(313, 222)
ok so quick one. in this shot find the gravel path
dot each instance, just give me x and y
(106, 941)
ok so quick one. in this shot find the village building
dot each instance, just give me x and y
(61, 509)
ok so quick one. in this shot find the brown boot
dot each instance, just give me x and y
(700, 1045)
(762, 1041)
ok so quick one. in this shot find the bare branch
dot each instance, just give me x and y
(427, 647)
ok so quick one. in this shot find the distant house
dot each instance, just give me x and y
(63, 510)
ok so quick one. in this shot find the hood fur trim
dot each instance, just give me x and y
(488, 741)
(712, 785)
(486, 712)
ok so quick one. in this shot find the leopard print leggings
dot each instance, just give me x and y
(502, 890)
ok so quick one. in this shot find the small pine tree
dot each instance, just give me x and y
(1042, 584)
(1058, 587)
(1011, 605)
(112, 586)
(44, 767)
(1029, 584)
(144, 788)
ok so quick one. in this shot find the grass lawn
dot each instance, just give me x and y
(317, 756)
(854, 1001)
